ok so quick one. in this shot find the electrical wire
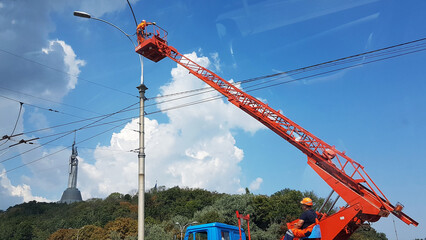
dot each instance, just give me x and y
(16, 123)
(415, 49)
(48, 155)
(70, 123)
(358, 57)
(44, 99)
(63, 72)
(331, 71)
(404, 51)
(278, 76)
(336, 62)
(56, 111)
(251, 88)
(39, 107)
(65, 134)
(133, 13)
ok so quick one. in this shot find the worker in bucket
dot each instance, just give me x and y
(140, 30)
(303, 226)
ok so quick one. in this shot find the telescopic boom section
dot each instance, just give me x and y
(347, 177)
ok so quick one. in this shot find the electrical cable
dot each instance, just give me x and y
(69, 123)
(413, 49)
(56, 111)
(133, 13)
(63, 72)
(39, 107)
(335, 62)
(335, 70)
(16, 123)
(250, 88)
(88, 127)
(48, 155)
(44, 99)
(64, 135)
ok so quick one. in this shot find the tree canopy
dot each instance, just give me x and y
(115, 217)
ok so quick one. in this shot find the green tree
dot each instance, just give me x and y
(367, 233)
(24, 231)
(156, 232)
(209, 214)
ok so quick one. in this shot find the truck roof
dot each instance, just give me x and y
(215, 224)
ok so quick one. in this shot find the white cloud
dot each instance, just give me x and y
(195, 148)
(44, 60)
(114, 169)
(11, 194)
(71, 62)
(255, 185)
(39, 120)
(216, 61)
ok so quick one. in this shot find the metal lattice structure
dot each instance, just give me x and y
(365, 201)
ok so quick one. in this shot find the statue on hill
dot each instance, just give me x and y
(72, 194)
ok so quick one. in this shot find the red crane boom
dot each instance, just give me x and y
(365, 201)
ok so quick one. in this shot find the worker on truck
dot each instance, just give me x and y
(303, 226)
(140, 30)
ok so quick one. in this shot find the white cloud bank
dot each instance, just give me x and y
(195, 148)
(18, 193)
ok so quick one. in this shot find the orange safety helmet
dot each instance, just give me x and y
(306, 201)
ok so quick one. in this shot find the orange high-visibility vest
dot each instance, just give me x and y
(141, 31)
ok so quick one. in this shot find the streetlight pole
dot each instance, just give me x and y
(182, 228)
(141, 155)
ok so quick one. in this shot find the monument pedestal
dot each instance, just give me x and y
(71, 195)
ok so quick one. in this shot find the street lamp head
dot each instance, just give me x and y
(82, 14)
(177, 223)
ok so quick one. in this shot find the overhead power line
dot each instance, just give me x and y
(70, 123)
(48, 100)
(48, 155)
(376, 55)
(40, 107)
(14, 127)
(65, 134)
(401, 49)
(66, 73)
(409, 48)
(418, 44)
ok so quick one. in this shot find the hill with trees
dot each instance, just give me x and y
(115, 217)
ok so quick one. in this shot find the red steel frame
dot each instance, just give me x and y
(344, 175)
(240, 218)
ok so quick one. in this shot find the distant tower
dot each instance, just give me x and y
(72, 194)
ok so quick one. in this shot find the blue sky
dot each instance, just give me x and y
(82, 68)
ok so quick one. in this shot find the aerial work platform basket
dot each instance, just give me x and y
(153, 42)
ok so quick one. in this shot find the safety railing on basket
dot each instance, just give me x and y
(156, 31)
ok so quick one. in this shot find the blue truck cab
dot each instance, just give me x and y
(214, 231)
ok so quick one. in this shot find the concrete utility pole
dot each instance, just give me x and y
(141, 155)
